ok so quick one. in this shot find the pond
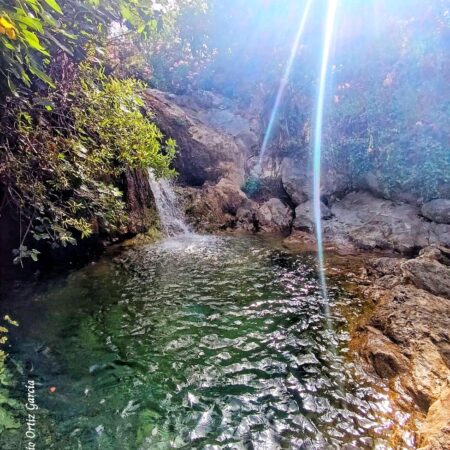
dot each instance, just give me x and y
(194, 342)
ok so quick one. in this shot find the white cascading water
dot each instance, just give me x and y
(171, 216)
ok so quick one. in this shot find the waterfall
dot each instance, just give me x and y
(171, 216)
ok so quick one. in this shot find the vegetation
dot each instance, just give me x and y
(61, 174)
(71, 129)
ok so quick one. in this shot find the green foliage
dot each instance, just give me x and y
(25, 30)
(32, 32)
(119, 127)
(8, 407)
(251, 186)
(61, 165)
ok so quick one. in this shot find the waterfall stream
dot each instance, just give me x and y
(171, 216)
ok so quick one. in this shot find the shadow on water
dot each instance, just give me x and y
(195, 342)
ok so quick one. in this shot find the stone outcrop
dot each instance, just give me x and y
(365, 222)
(213, 139)
(407, 338)
(437, 210)
(140, 202)
(304, 216)
(217, 143)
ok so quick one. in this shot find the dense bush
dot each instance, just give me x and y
(60, 164)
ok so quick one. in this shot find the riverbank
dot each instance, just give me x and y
(402, 337)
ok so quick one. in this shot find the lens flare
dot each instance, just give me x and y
(317, 149)
(283, 84)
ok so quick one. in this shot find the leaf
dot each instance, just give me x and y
(40, 74)
(11, 321)
(54, 5)
(33, 41)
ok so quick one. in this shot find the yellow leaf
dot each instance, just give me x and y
(5, 23)
(11, 321)
(11, 33)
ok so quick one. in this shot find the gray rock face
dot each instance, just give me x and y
(304, 216)
(372, 223)
(213, 140)
(296, 176)
(437, 210)
(295, 179)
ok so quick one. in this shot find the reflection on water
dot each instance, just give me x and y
(196, 342)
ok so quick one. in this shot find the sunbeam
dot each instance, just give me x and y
(317, 149)
(283, 84)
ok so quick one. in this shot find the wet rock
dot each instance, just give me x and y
(274, 215)
(214, 207)
(304, 216)
(437, 210)
(300, 241)
(385, 357)
(247, 217)
(140, 202)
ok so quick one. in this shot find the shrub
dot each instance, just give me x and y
(60, 163)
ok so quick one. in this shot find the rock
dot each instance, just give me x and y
(372, 183)
(295, 179)
(436, 429)
(274, 215)
(407, 338)
(214, 141)
(384, 266)
(300, 241)
(384, 356)
(372, 223)
(437, 210)
(246, 217)
(140, 202)
(214, 207)
(428, 274)
(304, 216)
(439, 234)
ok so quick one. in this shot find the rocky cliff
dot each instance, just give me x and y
(218, 145)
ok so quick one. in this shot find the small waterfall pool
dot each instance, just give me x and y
(193, 343)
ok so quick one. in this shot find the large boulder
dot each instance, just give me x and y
(274, 216)
(296, 176)
(429, 273)
(304, 216)
(372, 223)
(214, 207)
(214, 141)
(295, 180)
(437, 210)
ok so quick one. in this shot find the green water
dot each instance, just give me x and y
(192, 343)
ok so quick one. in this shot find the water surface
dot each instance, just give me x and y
(194, 343)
